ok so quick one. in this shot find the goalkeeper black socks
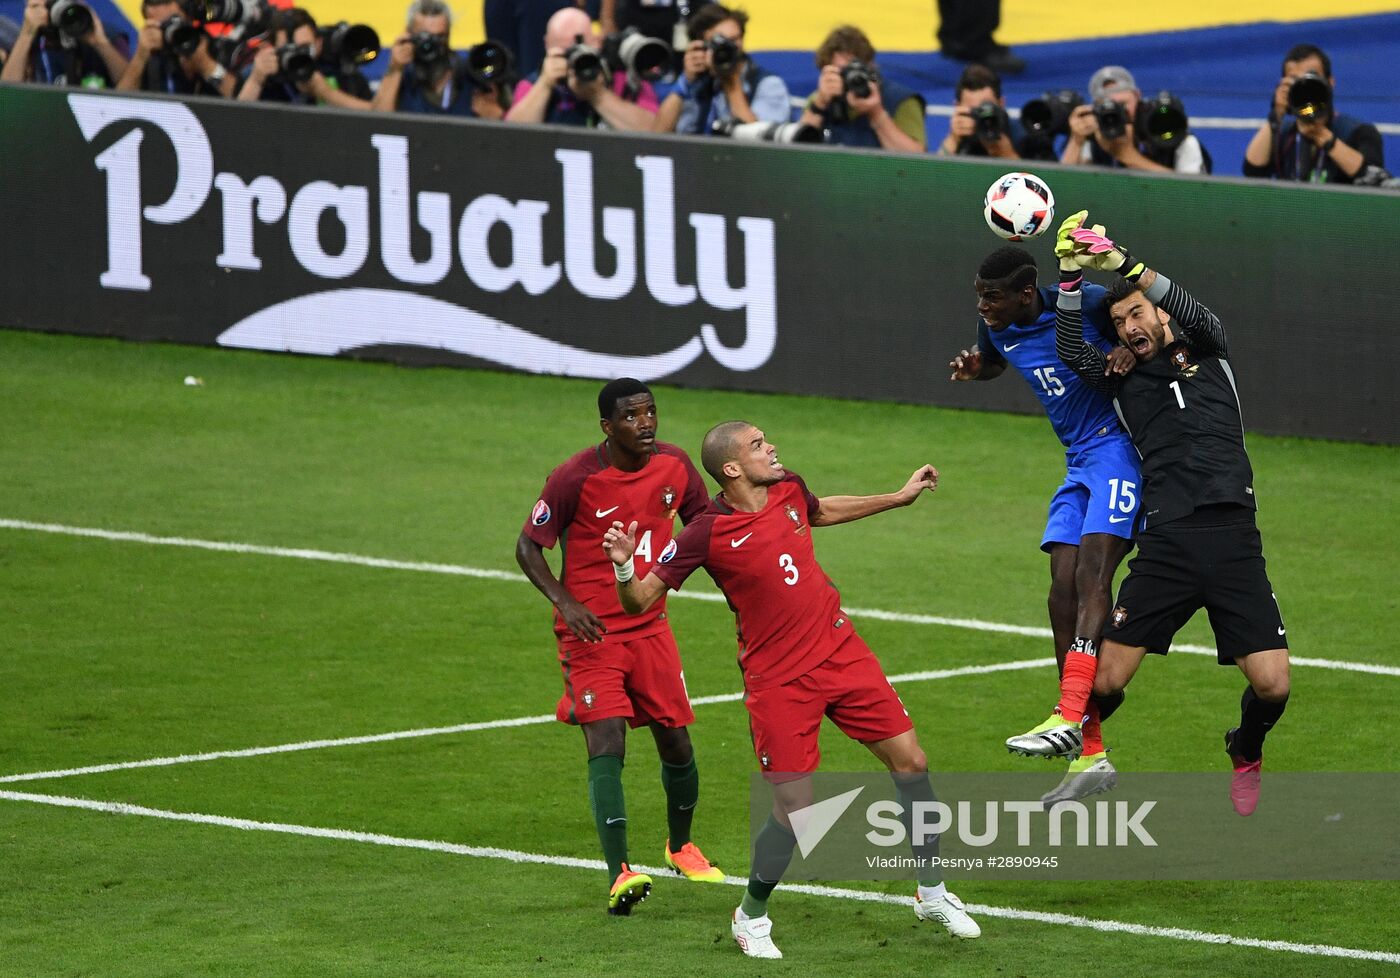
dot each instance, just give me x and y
(772, 851)
(913, 788)
(1257, 718)
(609, 810)
(1108, 704)
(682, 784)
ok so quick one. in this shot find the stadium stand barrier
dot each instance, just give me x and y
(707, 262)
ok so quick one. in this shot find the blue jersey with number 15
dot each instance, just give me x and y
(1078, 413)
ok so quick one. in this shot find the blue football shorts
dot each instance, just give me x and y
(1102, 493)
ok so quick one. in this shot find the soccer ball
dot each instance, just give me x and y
(1019, 206)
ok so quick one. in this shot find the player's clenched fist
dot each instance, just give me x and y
(619, 543)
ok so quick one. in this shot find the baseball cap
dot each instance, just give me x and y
(1110, 78)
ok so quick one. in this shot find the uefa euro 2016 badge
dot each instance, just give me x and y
(1183, 362)
(796, 518)
(668, 501)
(1120, 615)
(588, 699)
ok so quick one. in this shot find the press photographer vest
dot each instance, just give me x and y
(1298, 159)
(845, 131)
(457, 100)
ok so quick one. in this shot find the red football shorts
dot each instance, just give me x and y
(636, 678)
(850, 688)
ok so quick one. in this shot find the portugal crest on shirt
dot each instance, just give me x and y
(1120, 615)
(1183, 362)
(668, 501)
(796, 518)
(588, 699)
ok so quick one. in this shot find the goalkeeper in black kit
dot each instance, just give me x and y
(1198, 545)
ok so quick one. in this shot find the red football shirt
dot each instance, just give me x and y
(789, 612)
(581, 499)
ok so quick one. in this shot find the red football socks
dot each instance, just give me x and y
(1077, 680)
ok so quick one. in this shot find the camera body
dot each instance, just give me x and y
(725, 55)
(182, 37)
(990, 121)
(859, 78)
(71, 18)
(296, 62)
(1112, 118)
(1310, 97)
(430, 51)
(585, 62)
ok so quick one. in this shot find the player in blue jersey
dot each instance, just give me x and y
(1092, 515)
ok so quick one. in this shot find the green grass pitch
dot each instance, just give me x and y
(118, 651)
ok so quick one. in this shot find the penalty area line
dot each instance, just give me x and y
(304, 745)
(460, 570)
(830, 892)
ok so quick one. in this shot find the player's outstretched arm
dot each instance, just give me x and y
(1081, 356)
(844, 509)
(635, 595)
(582, 622)
(1194, 323)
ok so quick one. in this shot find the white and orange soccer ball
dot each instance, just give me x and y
(1019, 206)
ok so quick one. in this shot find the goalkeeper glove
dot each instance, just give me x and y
(1070, 275)
(1092, 248)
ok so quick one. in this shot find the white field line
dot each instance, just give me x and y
(908, 677)
(460, 570)
(834, 892)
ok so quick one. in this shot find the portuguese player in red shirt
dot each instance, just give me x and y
(620, 669)
(799, 652)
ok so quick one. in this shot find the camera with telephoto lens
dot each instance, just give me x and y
(296, 62)
(858, 77)
(181, 37)
(1162, 121)
(725, 55)
(247, 17)
(635, 53)
(349, 45)
(429, 50)
(585, 63)
(990, 121)
(1049, 115)
(1112, 118)
(1310, 97)
(489, 64)
(769, 132)
(71, 18)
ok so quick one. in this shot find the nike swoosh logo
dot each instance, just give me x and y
(614, 820)
(1280, 629)
(686, 808)
(1011, 346)
(600, 513)
(1117, 519)
(740, 542)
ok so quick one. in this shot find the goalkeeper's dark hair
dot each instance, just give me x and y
(1119, 289)
(1016, 264)
(615, 391)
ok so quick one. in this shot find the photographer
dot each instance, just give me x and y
(719, 82)
(74, 51)
(574, 86)
(156, 68)
(289, 69)
(1104, 133)
(979, 125)
(1318, 144)
(425, 75)
(858, 107)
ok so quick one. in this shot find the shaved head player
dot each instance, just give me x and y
(799, 653)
